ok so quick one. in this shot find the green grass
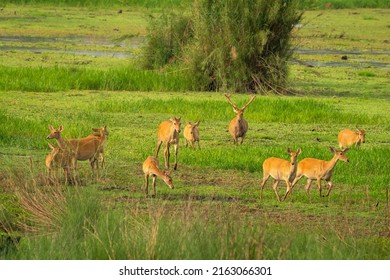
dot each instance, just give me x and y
(215, 207)
(216, 186)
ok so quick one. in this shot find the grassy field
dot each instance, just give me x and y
(214, 212)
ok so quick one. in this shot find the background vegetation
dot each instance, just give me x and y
(214, 207)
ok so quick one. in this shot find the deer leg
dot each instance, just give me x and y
(307, 187)
(319, 186)
(265, 178)
(288, 190)
(158, 147)
(154, 185)
(198, 145)
(275, 187)
(176, 148)
(330, 187)
(186, 143)
(146, 184)
(166, 156)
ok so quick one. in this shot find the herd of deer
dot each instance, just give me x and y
(91, 148)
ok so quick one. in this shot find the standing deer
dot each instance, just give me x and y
(316, 169)
(101, 135)
(58, 158)
(238, 126)
(150, 168)
(191, 133)
(280, 169)
(168, 133)
(81, 149)
(348, 138)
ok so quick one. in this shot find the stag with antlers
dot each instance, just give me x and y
(238, 126)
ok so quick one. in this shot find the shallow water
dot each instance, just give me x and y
(136, 42)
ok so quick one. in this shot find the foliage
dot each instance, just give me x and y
(237, 45)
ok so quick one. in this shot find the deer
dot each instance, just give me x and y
(101, 135)
(317, 169)
(58, 158)
(238, 126)
(151, 167)
(280, 169)
(81, 149)
(191, 133)
(348, 138)
(168, 133)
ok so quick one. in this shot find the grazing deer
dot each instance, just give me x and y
(101, 135)
(280, 169)
(191, 133)
(58, 158)
(348, 138)
(316, 169)
(168, 133)
(81, 149)
(150, 168)
(238, 126)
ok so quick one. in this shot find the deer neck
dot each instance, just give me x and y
(61, 143)
(329, 165)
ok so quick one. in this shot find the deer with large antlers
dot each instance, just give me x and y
(317, 169)
(280, 169)
(238, 126)
(168, 133)
(348, 138)
(150, 168)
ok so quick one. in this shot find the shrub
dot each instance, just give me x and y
(237, 45)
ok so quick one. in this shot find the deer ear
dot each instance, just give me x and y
(288, 150)
(345, 150)
(60, 128)
(51, 127)
(332, 150)
(197, 123)
(299, 151)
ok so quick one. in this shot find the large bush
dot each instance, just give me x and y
(235, 45)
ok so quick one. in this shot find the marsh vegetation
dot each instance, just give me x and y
(215, 207)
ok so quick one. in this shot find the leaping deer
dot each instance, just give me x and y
(238, 126)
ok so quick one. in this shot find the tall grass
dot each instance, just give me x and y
(49, 79)
(155, 230)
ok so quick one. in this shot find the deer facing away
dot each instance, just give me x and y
(150, 167)
(191, 133)
(238, 126)
(316, 169)
(280, 169)
(348, 138)
(168, 133)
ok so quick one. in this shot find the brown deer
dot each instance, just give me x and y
(150, 167)
(316, 169)
(280, 169)
(58, 159)
(168, 133)
(191, 133)
(348, 138)
(101, 135)
(238, 126)
(82, 149)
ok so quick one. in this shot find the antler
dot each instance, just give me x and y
(231, 102)
(250, 101)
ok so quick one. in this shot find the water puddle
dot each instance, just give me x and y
(129, 43)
